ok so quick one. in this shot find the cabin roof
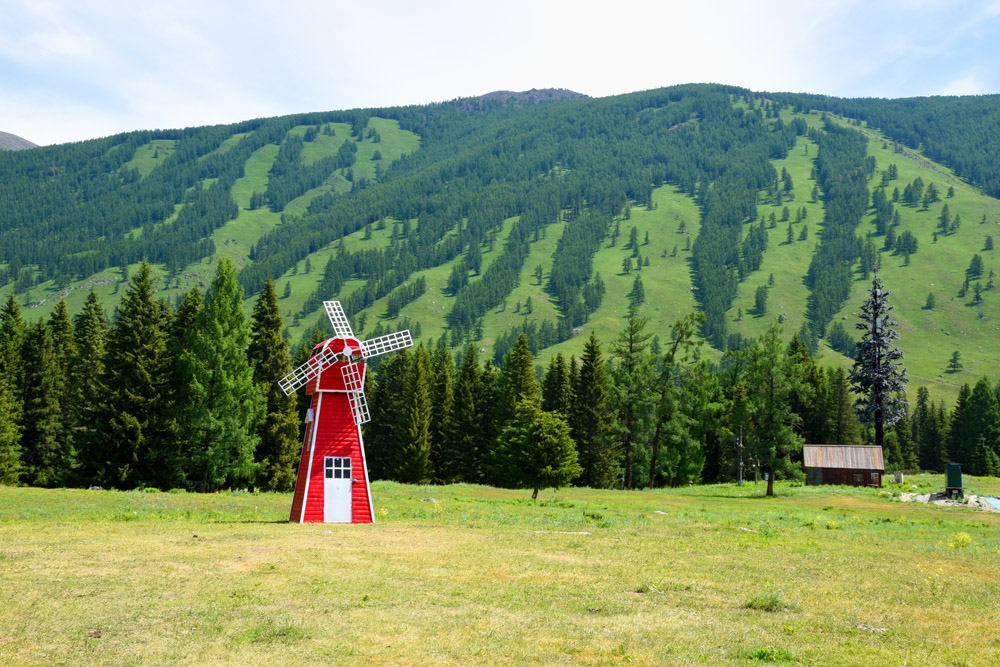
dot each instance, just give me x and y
(848, 457)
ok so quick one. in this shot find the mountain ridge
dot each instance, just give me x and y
(12, 142)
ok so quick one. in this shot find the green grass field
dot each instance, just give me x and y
(701, 575)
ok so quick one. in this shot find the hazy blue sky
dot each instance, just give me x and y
(72, 70)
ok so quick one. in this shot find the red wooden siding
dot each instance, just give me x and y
(336, 435)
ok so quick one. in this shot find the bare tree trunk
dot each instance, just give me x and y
(770, 480)
(656, 451)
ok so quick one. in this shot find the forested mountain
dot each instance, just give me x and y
(547, 213)
(12, 142)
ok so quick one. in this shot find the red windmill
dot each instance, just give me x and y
(332, 485)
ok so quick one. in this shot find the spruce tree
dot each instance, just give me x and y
(463, 423)
(64, 346)
(772, 378)
(556, 392)
(517, 379)
(12, 332)
(539, 452)
(90, 331)
(443, 462)
(134, 433)
(10, 435)
(878, 374)
(632, 378)
(48, 457)
(489, 404)
(590, 420)
(386, 400)
(221, 404)
(278, 431)
(412, 464)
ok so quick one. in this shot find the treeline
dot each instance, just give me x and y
(842, 171)
(638, 413)
(291, 177)
(163, 398)
(961, 132)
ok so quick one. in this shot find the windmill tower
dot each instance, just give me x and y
(332, 484)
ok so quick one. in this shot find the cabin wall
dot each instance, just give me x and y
(843, 476)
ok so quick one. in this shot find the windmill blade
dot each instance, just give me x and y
(338, 318)
(307, 371)
(354, 382)
(387, 343)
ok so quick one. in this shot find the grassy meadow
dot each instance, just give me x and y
(701, 575)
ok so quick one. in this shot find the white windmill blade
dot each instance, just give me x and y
(354, 382)
(307, 371)
(338, 318)
(386, 343)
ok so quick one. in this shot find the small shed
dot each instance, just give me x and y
(852, 465)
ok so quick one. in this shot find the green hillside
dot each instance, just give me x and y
(355, 204)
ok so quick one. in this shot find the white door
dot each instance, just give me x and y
(337, 485)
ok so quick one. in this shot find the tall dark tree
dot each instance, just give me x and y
(517, 379)
(591, 419)
(878, 374)
(90, 330)
(278, 431)
(413, 453)
(631, 397)
(12, 332)
(463, 423)
(221, 403)
(48, 456)
(443, 461)
(386, 397)
(64, 346)
(772, 379)
(556, 391)
(134, 432)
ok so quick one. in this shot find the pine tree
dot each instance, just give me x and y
(463, 422)
(771, 377)
(133, 432)
(517, 379)
(387, 413)
(590, 419)
(278, 431)
(878, 374)
(64, 346)
(539, 452)
(48, 457)
(12, 332)
(632, 379)
(222, 405)
(556, 392)
(842, 426)
(90, 331)
(412, 464)
(488, 401)
(10, 435)
(446, 466)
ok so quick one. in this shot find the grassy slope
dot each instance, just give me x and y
(667, 280)
(486, 576)
(235, 238)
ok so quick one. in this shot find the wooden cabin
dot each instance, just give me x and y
(851, 465)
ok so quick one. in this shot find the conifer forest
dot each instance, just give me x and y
(646, 290)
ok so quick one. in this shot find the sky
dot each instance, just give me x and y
(73, 70)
